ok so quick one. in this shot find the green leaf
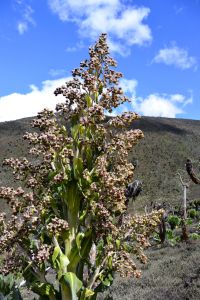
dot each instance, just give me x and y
(63, 130)
(59, 274)
(75, 131)
(64, 262)
(89, 156)
(74, 283)
(189, 221)
(107, 281)
(195, 236)
(59, 189)
(29, 274)
(96, 95)
(78, 166)
(77, 254)
(72, 199)
(170, 234)
(118, 244)
(110, 260)
(79, 239)
(87, 293)
(109, 238)
(100, 245)
(100, 88)
(51, 175)
(6, 284)
(43, 289)
(56, 252)
(46, 288)
(83, 215)
(127, 247)
(88, 100)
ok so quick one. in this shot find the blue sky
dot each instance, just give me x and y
(156, 44)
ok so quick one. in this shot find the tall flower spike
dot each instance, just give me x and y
(71, 206)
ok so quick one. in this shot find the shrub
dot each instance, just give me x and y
(173, 221)
(8, 289)
(194, 236)
(192, 213)
(70, 215)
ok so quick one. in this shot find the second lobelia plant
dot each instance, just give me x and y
(69, 229)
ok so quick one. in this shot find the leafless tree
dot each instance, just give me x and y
(185, 186)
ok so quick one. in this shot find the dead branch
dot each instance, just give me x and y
(191, 173)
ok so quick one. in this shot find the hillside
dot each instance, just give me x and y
(163, 152)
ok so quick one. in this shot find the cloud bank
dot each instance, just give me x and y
(17, 105)
(124, 24)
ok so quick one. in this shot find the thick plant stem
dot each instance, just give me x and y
(65, 292)
(162, 230)
(52, 297)
(55, 242)
(184, 236)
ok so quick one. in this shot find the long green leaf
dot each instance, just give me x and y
(78, 167)
(64, 262)
(56, 252)
(79, 239)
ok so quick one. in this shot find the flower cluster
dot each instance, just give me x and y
(125, 265)
(2, 218)
(41, 255)
(124, 119)
(57, 225)
(12, 263)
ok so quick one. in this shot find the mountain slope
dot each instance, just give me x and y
(160, 155)
(163, 153)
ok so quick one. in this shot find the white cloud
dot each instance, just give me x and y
(22, 27)
(157, 105)
(26, 17)
(162, 105)
(75, 47)
(129, 86)
(18, 105)
(175, 56)
(57, 72)
(71, 49)
(124, 24)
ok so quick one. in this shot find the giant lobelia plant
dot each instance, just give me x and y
(70, 229)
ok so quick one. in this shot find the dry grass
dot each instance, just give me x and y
(173, 273)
